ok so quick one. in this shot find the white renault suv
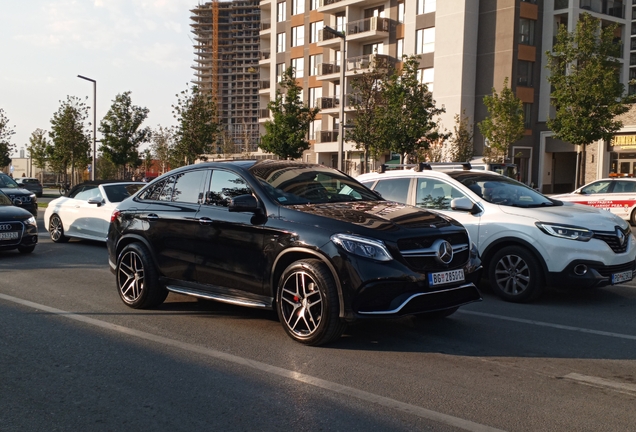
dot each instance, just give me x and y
(527, 241)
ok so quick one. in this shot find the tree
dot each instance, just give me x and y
(161, 146)
(226, 146)
(37, 148)
(286, 135)
(366, 99)
(195, 134)
(122, 132)
(587, 93)
(71, 142)
(461, 141)
(504, 125)
(409, 118)
(6, 132)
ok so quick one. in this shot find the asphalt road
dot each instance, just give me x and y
(73, 357)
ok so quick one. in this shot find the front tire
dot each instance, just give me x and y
(26, 249)
(56, 230)
(307, 303)
(632, 218)
(515, 275)
(137, 278)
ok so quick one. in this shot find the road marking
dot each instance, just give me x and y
(552, 325)
(263, 367)
(601, 382)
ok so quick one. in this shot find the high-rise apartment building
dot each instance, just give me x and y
(226, 36)
(466, 48)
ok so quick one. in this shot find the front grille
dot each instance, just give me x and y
(11, 227)
(607, 271)
(419, 256)
(24, 199)
(613, 240)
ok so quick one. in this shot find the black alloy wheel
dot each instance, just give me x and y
(307, 303)
(56, 230)
(515, 275)
(137, 278)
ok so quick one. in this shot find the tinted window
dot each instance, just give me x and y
(168, 188)
(118, 193)
(153, 191)
(502, 190)
(187, 187)
(224, 186)
(7, 182)
(394, 189)
(625, 186)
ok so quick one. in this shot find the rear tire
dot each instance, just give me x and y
(307, 303)
(56, 230)
(515, 275)
(137, 278)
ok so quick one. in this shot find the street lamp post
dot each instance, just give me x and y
(94, 123)
(343, 40)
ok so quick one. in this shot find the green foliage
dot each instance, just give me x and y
(409, 118)
(161, 145)
(37, 148)
(461, 142)
(6, 132)
(366, 99)
(286, 135)
(122, 132)
(70, 142)
(584, 70)
(105, 168)
(195, 134)
(504, 125)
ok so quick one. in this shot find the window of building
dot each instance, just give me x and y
(314, 31)
(400, 49)
(527, 115)
(374, 48)
(299, 67)
(426, 6)
(526, 31)
(400, 12)
(425, 40)
(298, 7)
(426, 76)
(298, 36)
(280, 42)
(524, 73)
(314, 94)
(281, 11)
(341, 21)
(338, 58)
(314, 4)
(314, 64)
(314, 129)
(377, 11)
(280, 70)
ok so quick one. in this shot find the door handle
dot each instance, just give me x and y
(205, 221)
(151, 217)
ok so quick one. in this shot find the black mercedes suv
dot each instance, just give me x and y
(305, 240)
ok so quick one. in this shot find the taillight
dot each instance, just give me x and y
(114, 215)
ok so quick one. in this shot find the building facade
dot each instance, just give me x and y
(466, 48)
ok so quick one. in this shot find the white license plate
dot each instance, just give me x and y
(446, 277)
(8, 236)
(622, 277)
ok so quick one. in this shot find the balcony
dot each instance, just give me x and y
(328, 72)
(264, 113)
(325, 103)
(327, 136)
(362, 63)
(368, 27)
(614, 8)
(327, 39)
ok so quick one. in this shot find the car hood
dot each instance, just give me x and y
(379, 215)
(13, 213)
(570, 214)
(16, 192)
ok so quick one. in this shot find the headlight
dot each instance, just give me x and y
(30, 221)
(362, 246)
(566, 232)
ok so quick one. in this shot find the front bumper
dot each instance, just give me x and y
(587, 274)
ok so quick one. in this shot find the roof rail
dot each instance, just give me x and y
(422, 166)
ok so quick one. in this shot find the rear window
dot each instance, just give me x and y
(119, 192)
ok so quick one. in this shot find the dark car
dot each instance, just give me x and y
(18, 228)
(306, 240)
(30, 183)
(19, 197)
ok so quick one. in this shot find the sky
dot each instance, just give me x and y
(141, 46)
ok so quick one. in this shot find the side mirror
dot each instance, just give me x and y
(244, 203)
(96, 200)
(465, 205)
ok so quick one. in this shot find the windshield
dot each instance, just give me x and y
(293, 183)
(502, 190)
(8, 182)
(4, 200)
(119, 192)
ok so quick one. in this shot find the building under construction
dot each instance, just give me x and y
(226, 49)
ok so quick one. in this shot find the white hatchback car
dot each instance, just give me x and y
(527, 241)
(85, 212)
(617, 195)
